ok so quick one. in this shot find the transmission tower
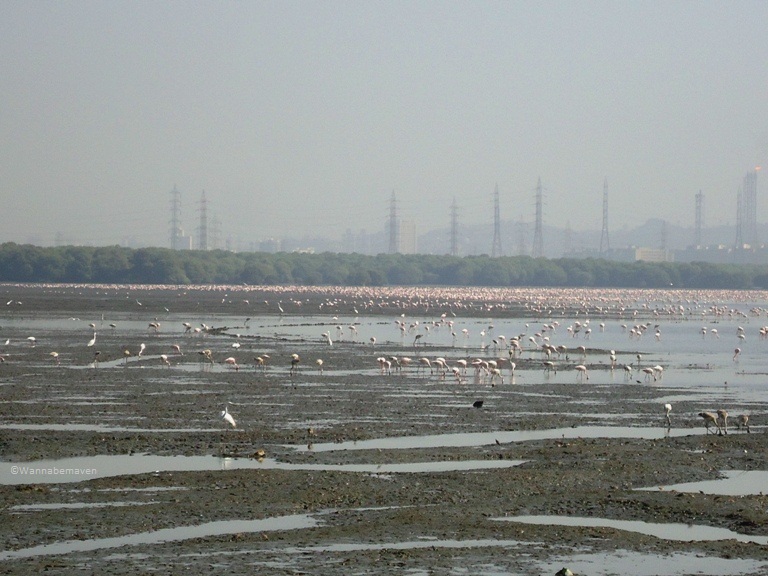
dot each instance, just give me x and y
(605, 244)
(454, 229)
(202, 232)
(175, 219)
(538, 235)
(699, 217)
(394, 228)
(496, 249)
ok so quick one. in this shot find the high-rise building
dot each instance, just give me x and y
(605, 244)
(749, 210)
(699, 224)
(202, 231)
(538, 231)
(746, 212)
(454, 229)
(408, 239)
(496, 248)
(176, 231)
(394, 226)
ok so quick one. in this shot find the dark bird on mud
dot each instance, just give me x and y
(564, 572)
(477, 404)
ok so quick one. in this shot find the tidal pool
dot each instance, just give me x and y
(678, 532)
(501, 437)
(639, 564)
(90, 467)
(735, 483)
(293, 522)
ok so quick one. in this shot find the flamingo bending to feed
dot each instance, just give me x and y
(711, 419)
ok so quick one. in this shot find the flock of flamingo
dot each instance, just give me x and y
(505, 353)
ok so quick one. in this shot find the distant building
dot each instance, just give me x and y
(183, 241)
(408, 244)
(654, 255)
(629, 254)
(358, 242)
(270, 245)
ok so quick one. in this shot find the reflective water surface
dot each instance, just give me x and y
(294, 522)
(682, 532)
(90, 467)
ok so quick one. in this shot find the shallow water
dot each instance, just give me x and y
(73, 506)
(91, 467)
(295, 522)
(500, 437)
(735, 483)
(99, 428)
(679, 532)
(627, 562)
(697, 369)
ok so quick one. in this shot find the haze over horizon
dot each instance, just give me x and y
(302, 118)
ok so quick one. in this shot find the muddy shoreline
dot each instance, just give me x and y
(366, 523)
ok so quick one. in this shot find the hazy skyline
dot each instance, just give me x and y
(301, 118)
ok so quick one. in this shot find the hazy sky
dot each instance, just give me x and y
(301, 118)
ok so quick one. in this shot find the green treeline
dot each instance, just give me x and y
(114, 264)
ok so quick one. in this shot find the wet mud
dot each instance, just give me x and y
(326, 520)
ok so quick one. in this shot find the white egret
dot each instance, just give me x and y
(228, 417)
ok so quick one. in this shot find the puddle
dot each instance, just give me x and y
(91, 467)
(735, 483)
(100, 428)
(638, 564)
(502, 437)
(73, 506)
(677, 532)
(294, 522)
(607, 564)
(129, 489)
(412, 545)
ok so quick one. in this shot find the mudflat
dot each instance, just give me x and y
(354, 466)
